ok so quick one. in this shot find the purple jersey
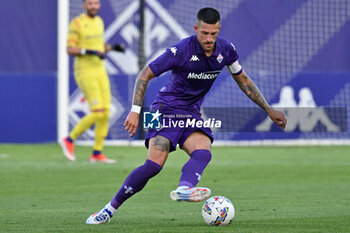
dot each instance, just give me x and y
(193, 73)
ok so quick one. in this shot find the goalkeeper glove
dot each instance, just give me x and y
(118, 47)
(93, 52)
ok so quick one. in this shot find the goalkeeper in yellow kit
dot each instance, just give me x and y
(86, 43)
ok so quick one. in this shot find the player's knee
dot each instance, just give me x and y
(98, 115)
(158, 149)
(106, 114)
(159, 143)
(101, 134)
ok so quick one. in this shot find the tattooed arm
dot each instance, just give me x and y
(142, 80)
(249, 88)
(141, 83)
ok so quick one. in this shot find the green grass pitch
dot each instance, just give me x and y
(274, 189)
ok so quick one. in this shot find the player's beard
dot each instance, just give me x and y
(209, 48)
(92, 12)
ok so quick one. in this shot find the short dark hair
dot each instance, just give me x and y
(208, 15)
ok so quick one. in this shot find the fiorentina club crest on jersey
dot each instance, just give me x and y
(219, 58)
(160, 25)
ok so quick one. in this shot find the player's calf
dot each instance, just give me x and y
(192, 171)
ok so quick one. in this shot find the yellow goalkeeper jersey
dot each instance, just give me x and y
(87, 33)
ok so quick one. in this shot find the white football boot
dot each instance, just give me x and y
(190, 194)
(100, 217)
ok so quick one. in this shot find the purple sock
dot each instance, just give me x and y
(135, 182)
(193, 169)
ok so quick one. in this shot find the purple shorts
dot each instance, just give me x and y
(178, 135)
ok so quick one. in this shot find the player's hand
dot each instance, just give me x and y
(118, 48)
(131, 123)
(101, 55)
(277, 117)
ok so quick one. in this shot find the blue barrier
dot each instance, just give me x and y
(28, 107)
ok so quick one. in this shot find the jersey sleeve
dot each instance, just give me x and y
(233, 65)
(73, 33)
(169, 60)
(232, 54)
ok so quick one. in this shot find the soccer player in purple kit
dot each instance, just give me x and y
(195, 62)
